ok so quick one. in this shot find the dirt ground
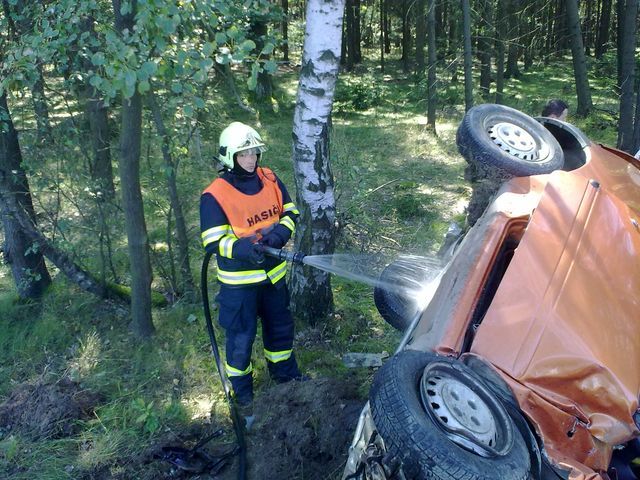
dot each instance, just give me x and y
(302, 430)
(46, 408)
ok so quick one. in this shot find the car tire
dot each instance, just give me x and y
(505, 139)
(396, 305)
(429, 447)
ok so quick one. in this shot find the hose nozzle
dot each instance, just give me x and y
(294, 257)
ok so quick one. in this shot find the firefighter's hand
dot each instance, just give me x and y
(244, 249)
(277, 237)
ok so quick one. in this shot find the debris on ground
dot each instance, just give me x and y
(363, 360)
(46, 408)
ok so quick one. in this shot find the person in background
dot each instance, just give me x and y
(248, 206)
(556, 109)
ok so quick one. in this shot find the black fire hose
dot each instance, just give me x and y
(238, 421)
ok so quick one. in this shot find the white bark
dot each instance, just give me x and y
(314, 180)
(320, 62)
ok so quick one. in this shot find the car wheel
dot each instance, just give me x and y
(504, 138)
(396, 295)
(440, 420)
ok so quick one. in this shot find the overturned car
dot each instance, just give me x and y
(526, 362)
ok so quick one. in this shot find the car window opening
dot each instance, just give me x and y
(574, 156)
(514, 232)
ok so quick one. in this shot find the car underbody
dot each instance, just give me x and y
(537, 309)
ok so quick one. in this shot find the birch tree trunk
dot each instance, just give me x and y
(311, 288)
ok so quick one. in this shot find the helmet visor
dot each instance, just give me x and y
(250, 151)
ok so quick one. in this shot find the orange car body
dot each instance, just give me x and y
(549, 280)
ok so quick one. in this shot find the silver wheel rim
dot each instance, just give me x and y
(465, 410)
(514, 140)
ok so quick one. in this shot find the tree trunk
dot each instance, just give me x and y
(468, 60)
(406, 36)
(40, 107)
(264, 84)
(382, 33)
(431, 74)
(500, 50)
(583, 91)
(512, 70)
(11, 208)
(311, 290)
(588, 28)
(171, 167)
(101, 169)
(421, 33)
(627, 76)
(484, 47)
(285, 29)
(387, 27)
(560, 28)
(636, 125)
(604, 24)
(357, 34)
(24, 255)
(350, 44)
(129, 167)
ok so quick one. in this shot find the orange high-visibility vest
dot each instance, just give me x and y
(249, 214)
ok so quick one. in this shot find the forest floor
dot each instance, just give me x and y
(302, 430)
(81, 399)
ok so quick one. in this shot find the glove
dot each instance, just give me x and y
(277, 237)
(245, 250)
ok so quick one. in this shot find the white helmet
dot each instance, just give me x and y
(236, 138)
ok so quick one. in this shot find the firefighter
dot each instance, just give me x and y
(247, 206)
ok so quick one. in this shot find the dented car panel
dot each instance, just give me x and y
(564, 346)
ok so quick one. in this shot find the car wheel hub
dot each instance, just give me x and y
(513, 140)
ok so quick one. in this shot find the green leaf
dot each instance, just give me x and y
(199, 102)
(176, 87)
(143, 87)
(267, 49)
(95, 81)
(252, 82)
(97, 58)
(129, 78)
(248, 45)
(188, 110)
(208, 48)
(223, 58)
(271, 66)
(149, 68)
(129, 90)
(221, 38)
(233, 32)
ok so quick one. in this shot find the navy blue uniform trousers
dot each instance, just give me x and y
(240, 308)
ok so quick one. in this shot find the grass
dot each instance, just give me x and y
(398, 187)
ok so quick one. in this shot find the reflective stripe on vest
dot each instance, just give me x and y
(249, 214)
